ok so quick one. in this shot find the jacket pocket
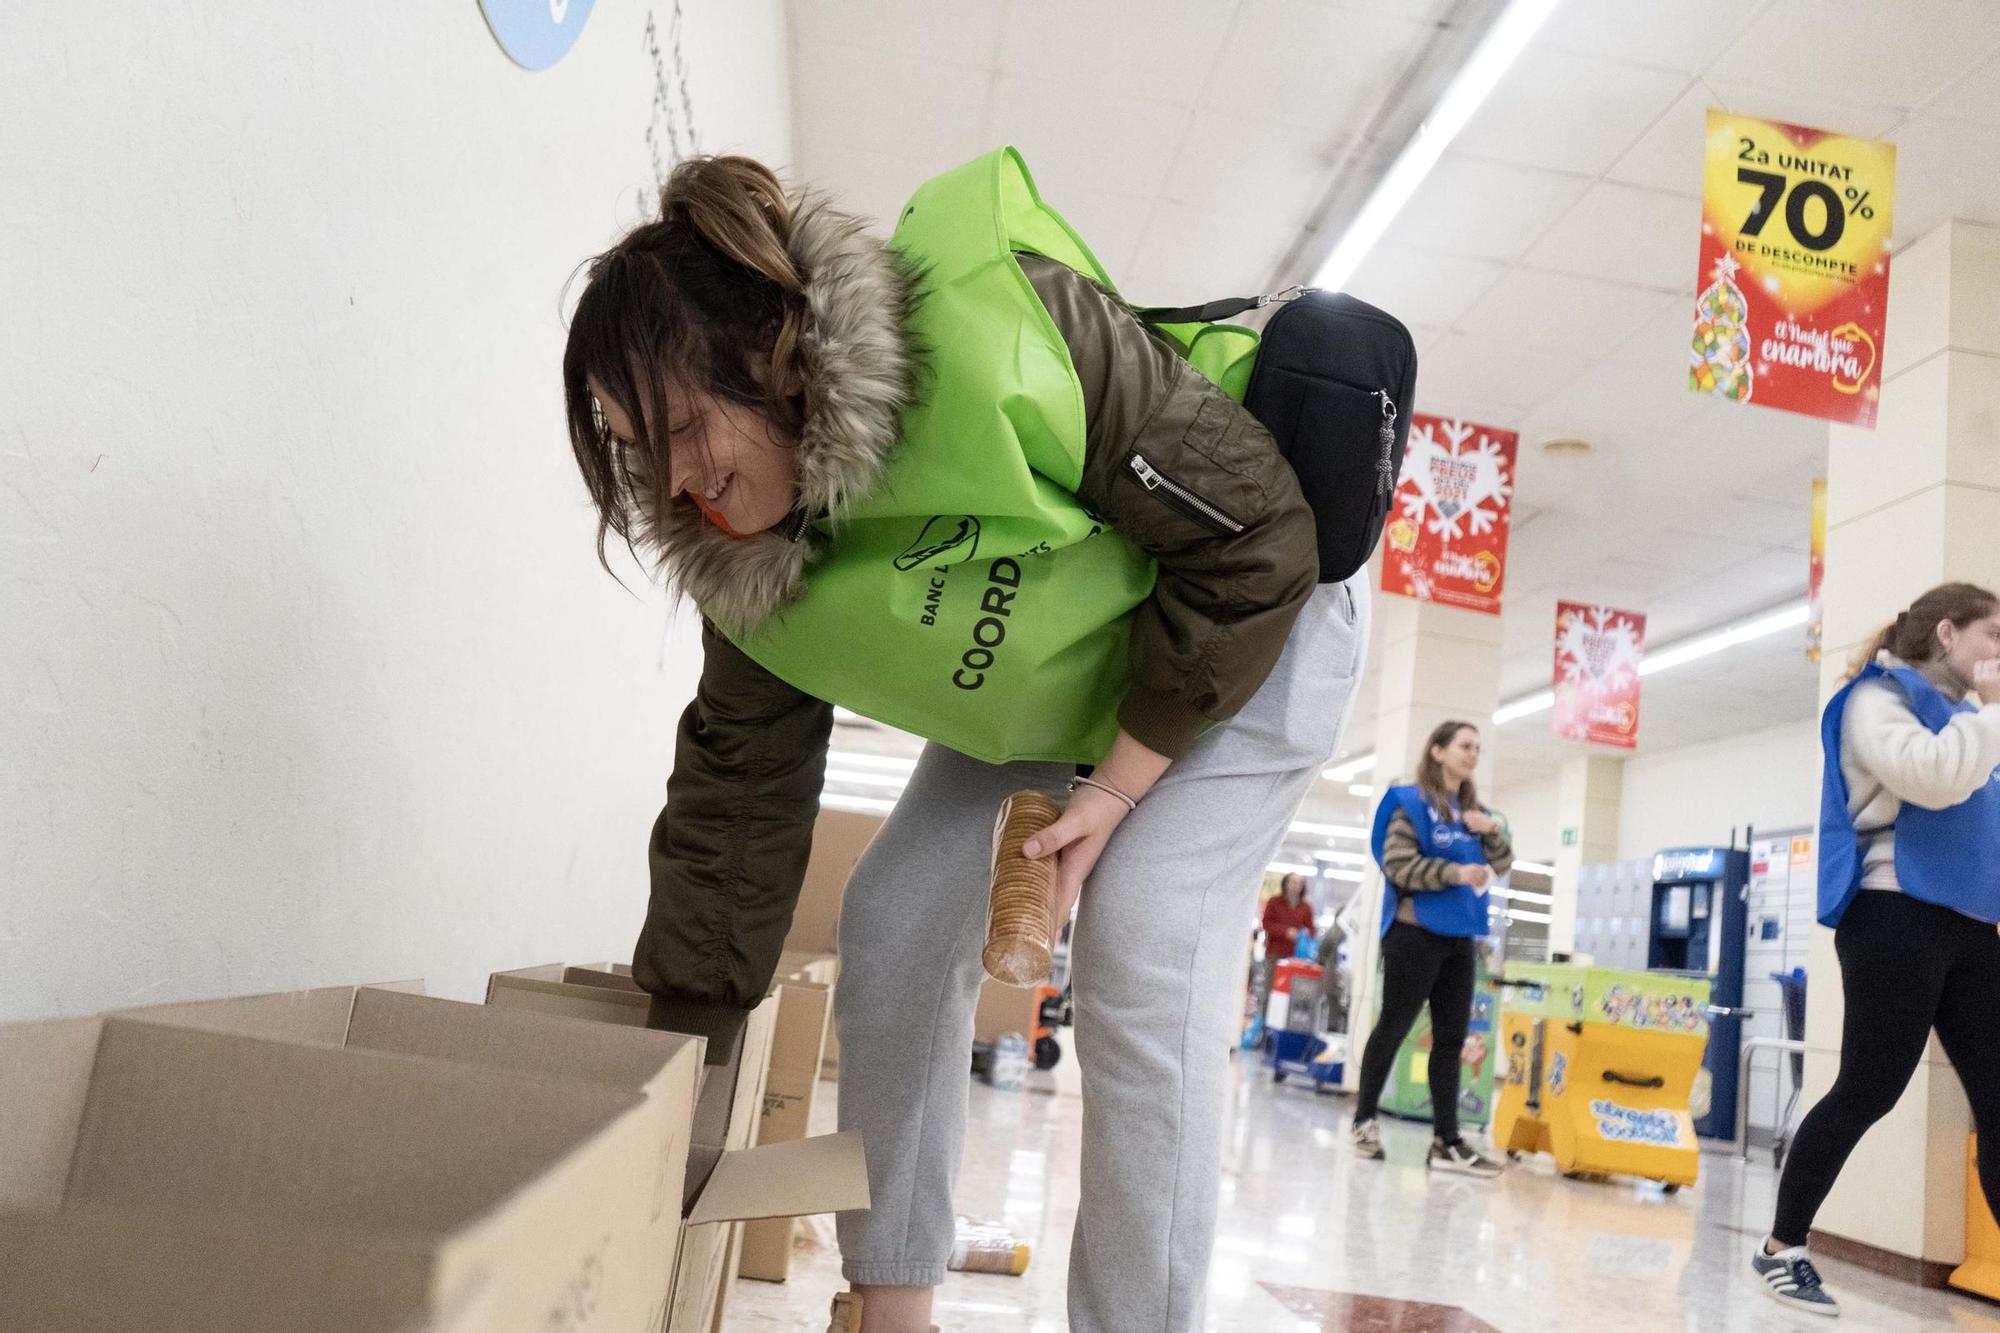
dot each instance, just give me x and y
(1182, 498)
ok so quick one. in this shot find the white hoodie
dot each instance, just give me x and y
(1889, 757)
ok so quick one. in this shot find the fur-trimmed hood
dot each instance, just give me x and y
(860, 371)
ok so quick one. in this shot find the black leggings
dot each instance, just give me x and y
(1906, 966)
(1420, 967)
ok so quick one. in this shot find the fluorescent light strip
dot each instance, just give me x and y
(1524, 895)
(1707, 645)
(1353, 768)
(1288, 868)
(1328, 830)
(1468, 89)
(1514, 914)
(1341, 858)
(1361, 789)
(1541, 701)
(1349, 876)
(1536, 867)
(895, 784)
(895, 762)
(867, 805)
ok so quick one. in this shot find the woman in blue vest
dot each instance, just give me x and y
(1439, 850)
(1909, 880)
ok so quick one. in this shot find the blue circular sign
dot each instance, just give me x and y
(536, 33)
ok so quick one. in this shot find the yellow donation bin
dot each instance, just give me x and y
(1980, 1273)
(1597, 1067)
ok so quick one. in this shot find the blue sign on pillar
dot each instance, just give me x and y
(536, 33)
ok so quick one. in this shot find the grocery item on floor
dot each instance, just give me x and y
(987, 1247)
(1009, 1069)
(1020, 933)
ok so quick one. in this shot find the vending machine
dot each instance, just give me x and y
(1697, 926)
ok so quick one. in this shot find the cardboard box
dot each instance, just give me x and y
(789, 1091)
(839, 839)
(663, 1067)
(157, 1177)
(728, 1180)
(823, 968)
(1004, 1008)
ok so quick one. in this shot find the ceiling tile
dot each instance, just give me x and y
(1163, 50)
(1487, 380)
(1487, 210)
(1944, 169)
(1578, 317)
(1234, 161)
(854, 96)
(1669, 155)
(1889, 51)
(1076, 138)
(1191, 254)
(1276, 65)
(1110, 224)
(1622, 233)
(1976, 97)
(952, 34)
(1531, 118)
(1423, 287)
(1683, 35)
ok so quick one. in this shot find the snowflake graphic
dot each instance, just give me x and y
(1598, 649)
(1452, 489)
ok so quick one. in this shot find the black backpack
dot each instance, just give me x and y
(1333, 383)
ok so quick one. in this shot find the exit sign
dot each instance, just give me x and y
(1569, 837)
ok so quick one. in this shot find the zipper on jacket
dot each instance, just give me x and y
(1181, 497)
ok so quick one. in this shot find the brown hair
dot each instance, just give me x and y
(690, 301)
(1912, 635)
(1430, 773)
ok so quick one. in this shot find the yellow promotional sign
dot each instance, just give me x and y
(1794, 270)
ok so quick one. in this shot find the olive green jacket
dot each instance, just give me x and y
(729, 851)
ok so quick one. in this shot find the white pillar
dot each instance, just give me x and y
(1438, 663)
(1587, 804)
(1909, 505)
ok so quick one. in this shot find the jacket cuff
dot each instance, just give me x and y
(1163, 723)
(720, 1023)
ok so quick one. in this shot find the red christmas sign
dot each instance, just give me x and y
(1446, 540)
(1598, 650)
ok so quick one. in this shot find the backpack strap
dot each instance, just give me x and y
(1227, 308)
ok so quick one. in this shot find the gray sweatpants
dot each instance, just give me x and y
(1157, 960)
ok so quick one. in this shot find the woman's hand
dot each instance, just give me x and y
(1480, 822)
(1474, 877)
(1986, 681)
(1076, 840)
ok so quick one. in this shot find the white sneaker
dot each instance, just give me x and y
(1366, 1136)
(1791, 1280)
(1458, 1158)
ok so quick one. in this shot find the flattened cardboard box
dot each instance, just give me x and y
(662, 1067)
(728, 1181)
(789, 1092)
(158, 1177)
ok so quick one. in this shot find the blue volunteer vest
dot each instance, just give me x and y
(1942, 856)
(1454, 911)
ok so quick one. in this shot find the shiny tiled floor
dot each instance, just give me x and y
(1309, 1236)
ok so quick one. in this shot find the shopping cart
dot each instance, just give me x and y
(1792, 985)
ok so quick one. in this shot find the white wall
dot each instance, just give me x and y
(1531, 816)
(1697, 793)
(310, 674)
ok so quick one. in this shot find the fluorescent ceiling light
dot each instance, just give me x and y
(1541, 701)
(1536, 867)
(865, 779)
(1524, 895)
(1360, 789)
(889, 761)
(1515, 914)
(1496, 51)
(861, 804)
(1707, 645)
(1341, 858)
(1353, 768)
(1288, 868)
(1350, 876)
(1328, 830)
